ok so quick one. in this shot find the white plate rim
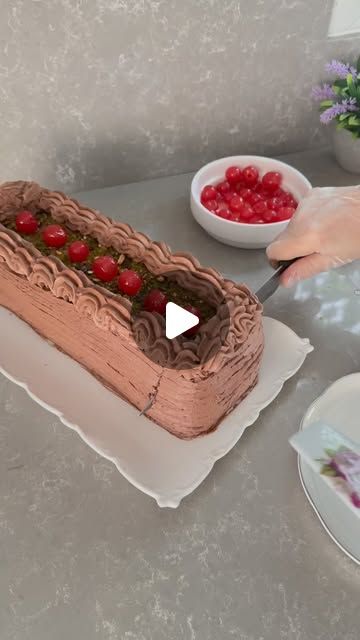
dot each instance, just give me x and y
(302, 480)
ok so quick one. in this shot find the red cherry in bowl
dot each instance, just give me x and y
(78, 251)
(129, 282)
(227, 197)
(223, 213)
(260, 208)
(254, 198)
(256, 220)
(274, 203)
(288, 200)
(246, 213)
(54, 236)
(155, 300)
(105, 268)
(209, 193)
(233, 175)
(270, 216)
(271, 181)
(251, 176)
(245, 193)
(223, 187)
(211, 205)
(285, 213)
(236, 204)
(26, 223)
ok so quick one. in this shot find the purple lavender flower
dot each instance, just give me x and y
(323, 92)
(337, 109)
(340, 69)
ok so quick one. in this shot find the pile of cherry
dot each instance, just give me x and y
(105, 268)
(245, 197)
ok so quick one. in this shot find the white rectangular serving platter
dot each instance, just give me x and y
(156, 462)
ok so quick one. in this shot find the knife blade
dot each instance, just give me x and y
(269, 287)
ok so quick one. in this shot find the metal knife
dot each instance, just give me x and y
(269, 287)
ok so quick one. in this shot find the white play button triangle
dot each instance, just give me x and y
(178, 320)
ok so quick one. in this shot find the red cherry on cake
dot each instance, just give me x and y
(195, 311)
(78, 251)
(54, 236)
(209, 193)
(251, 176)
(105, 268)
(155, 300)
(26, 223)
(129, 282)
(271, 181)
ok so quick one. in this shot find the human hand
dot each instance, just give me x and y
(324, 233)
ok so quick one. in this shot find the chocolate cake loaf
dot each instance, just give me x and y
(114, 326)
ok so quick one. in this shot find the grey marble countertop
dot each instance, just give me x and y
(86, 555)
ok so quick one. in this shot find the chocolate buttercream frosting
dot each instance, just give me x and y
(221, 363)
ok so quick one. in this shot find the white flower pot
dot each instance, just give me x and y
(347, 150)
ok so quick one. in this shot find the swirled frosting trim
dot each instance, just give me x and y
(113, 312)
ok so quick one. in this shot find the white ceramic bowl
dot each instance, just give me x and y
(238, 234)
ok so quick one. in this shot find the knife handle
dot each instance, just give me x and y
(284, 264)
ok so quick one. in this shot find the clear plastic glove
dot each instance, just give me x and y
(324, 233)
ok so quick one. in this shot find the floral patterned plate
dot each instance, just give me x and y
(339, 407)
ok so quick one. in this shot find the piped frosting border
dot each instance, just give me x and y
(113, 312)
